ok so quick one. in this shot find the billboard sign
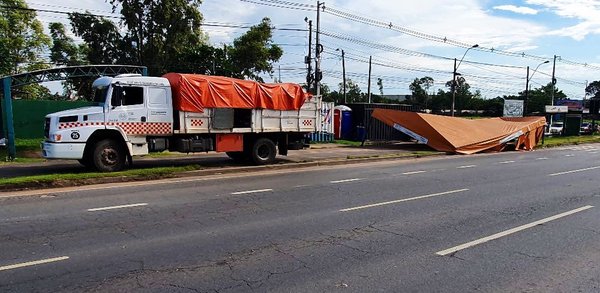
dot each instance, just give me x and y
(557, 109)
(513, 108)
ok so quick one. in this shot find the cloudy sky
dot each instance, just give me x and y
(413, 39)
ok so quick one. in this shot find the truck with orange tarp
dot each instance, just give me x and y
(136, 115)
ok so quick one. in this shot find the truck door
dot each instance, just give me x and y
(127, 109)
(160, 111)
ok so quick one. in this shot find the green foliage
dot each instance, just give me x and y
(64, 51)
(593, 89)
(540, 97)
(104, 43)
(22, 38)
(380, 85)
(420, 91)
(159, 31)
(254, 52)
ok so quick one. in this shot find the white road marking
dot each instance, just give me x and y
(413, 172)
(575, 171)
(594, 152)
(346, 180)
(403, 200)
(117, 207)
(251, 191)
(542, 158)
(33, 263)
(466, 167)
(506, 162)
(510, 231)
(570, 155)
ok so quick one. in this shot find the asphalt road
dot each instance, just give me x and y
(510, 222)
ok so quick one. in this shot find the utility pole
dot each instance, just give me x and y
(319, 49)
(308, 59)
(344, 75)
(553, 78)
(453, 88)
(369, 87)
(526, 93)
(279, 81)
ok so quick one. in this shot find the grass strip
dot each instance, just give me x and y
(556, 141)
(86, 177)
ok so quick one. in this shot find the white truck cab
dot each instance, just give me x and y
(134, 115)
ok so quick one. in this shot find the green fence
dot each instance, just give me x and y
(29, 115)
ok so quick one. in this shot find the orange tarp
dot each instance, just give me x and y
(194, 92)
(465, 136)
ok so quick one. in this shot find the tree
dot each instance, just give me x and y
(593, 89)
(542, 96)
(64, 51)
(463, 94)
(22, 38)
(254, 52)
(160, 30)
(353, 92)
(104, 43)
(420, 90)
(380, 85)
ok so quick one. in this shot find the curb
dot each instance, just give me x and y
(208, 172)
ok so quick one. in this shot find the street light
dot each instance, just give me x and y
(527, 83)
(454, 74)
(343, 73)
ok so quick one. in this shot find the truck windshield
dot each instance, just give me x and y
(100, 95)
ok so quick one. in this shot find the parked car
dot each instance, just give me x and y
(556, 127)
(586, 128)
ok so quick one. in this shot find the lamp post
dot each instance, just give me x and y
(343, 73)
(527, 84)
(454, 74)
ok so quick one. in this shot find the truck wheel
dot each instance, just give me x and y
(109, 156)
(237, 156)
(263, 151)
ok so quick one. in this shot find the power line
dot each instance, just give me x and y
(426, 36)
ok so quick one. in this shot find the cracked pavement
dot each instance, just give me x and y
(289, 233)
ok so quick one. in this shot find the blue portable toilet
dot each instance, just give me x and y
(345, 122)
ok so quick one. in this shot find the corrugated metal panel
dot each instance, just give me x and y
(377, 130)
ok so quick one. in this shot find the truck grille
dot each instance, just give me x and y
(47, 128)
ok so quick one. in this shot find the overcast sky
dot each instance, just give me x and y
(512, 34)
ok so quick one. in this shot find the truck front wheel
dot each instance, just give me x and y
(109, 156)
(263, 151)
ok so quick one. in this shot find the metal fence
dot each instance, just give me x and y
(374, 129)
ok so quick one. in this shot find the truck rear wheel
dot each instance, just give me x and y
(263, 151)
(109, 156)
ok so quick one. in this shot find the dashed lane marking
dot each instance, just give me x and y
(413, 172)
(32, 263)
(506, 162)
(508, 232)
(574, 171)
(117, 207)
(403, 200)
(466, 167)
(346, 180)
(251, 191)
